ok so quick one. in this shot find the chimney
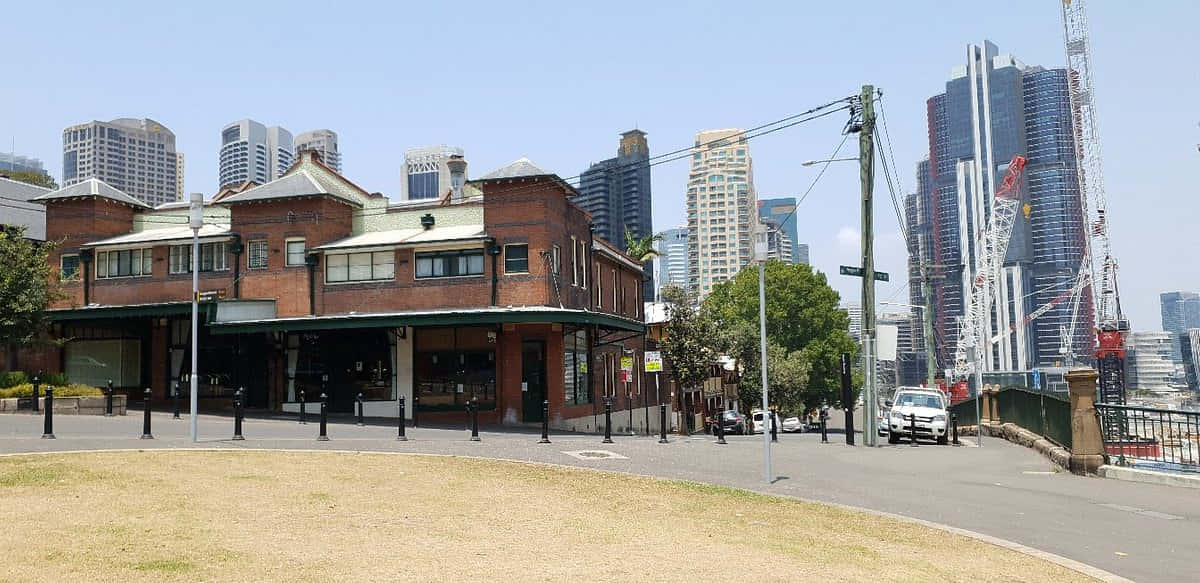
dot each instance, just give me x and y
(458, 176)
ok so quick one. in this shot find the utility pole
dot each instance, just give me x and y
(866, 161)
(930, 343)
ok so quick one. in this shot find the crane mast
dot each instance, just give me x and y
(1097, 264)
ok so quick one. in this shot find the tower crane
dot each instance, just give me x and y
(991, 245)
(1098, 263)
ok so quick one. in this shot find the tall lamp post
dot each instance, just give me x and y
(760, 256)
(195, 221)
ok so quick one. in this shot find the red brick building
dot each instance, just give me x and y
(309, 284)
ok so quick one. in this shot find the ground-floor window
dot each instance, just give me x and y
(575, 368)
(95, 362)
(344, 363)
(453, 365)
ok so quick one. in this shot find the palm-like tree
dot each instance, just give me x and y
(641, 248)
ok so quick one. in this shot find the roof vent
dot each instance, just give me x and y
(427, 221)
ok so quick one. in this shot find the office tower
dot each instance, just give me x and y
(722, 208)
(1180, 311)
(252, 152)
(178, 176)
(782, 212)
(1148, 363)
(616, 192)
(135, 156)
(325, 143)
(994, 107)
(671, 265)
(1189, 342)
(12, 161)
(426, 175)
(801, 254)
(854, 311)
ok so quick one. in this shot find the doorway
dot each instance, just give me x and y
(533, 380)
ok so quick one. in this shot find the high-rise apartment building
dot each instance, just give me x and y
(779, 245)
(994, 107)
(722, 208)
(252, 152)
(135, 156)
(324, 143)
(1189, 342)
(12, 161)
(178, 175)
(616, 192)
(782, 213)
(671, 265)
(426, 175)
(1148, 362)
(801, 254)
(1180, 311)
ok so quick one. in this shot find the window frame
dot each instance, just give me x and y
(287, 251)
(443, 254)
(371, 264)
(183, 254)
(62, 272)
(145, 258)
(507, 271)
(266, 254)
(574, 262)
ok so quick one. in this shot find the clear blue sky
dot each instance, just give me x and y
(557, 81)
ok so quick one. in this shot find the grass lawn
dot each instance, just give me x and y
(268, 516)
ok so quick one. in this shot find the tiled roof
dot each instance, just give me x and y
(92, 187)
(522, 167)
(299, 183)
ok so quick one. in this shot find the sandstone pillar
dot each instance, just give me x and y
(1087, 447)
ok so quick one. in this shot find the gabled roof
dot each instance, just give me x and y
(521, 168)
(307, 177)
(92, 187)
(207, 233)
(20, 190)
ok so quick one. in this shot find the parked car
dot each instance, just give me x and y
(929, 407)
(792, 425)
(734, 423)
(757, 422)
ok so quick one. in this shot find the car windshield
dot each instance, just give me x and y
(731, 414)
(918, 400)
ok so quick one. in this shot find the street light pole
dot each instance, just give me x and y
(195, 221)
(760, 255)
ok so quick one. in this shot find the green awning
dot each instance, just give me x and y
(434, 318)
(206, 309)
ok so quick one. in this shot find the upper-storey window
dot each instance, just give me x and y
(295, 252)
(256, 254)
(124, 263)
(365, 266)
(450, 263)
(516, 258)
(213, 257)
(68, 266)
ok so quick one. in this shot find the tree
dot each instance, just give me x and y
(688, 339)
(806, 333)
(30, 177)
(641, 249)
(27, 287)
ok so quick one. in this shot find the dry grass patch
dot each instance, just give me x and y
(259, 516)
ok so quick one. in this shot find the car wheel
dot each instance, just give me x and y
(893, 438)
(943, 440)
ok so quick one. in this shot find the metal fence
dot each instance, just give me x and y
(1044, 413)
(1153, 438)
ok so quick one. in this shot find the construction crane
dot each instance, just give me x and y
(1098, 263)
(991, 246)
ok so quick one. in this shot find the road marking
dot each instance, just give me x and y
(1135, 510)
(595, 454)
(1033, 473)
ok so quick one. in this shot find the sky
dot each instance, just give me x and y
(558, 81)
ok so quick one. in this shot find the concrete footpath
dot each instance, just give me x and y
(1144, 532)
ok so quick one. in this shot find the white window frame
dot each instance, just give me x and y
(287, 252)
(574, 262)
(583, 273)
(467, 251)
(266, 254)
(556, 259)
(183, 253)
(375, 264)
(616, 284)
(145, 258)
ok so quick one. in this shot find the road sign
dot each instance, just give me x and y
(858, 272)
(653, 361)
(626, 369)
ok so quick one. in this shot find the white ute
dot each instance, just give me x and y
(929, 405)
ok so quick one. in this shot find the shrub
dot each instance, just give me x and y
(12, 379)
(57, 379)
(26, 390)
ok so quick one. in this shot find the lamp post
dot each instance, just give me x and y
(760, 256)
(195, 221)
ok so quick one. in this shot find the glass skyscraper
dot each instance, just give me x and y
(1180, 311)
(616, 192)
(781, 212)
(995, 107)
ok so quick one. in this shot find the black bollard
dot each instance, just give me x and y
(721, 427)
(912, 426)
(954, 427)
(416, 407)
(774, 426)
(146, 415)
(629, 404)
(238, 399)
(108, 402)
(473, 407)
(303, 416)
(545, 421)
(175, 395)
(400, 432)
(36, 394)
(607, 420)
(360, 410)
(323, 436)
(824, 427)
(662, 423)
(48, 428)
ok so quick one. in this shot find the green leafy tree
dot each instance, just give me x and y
(27, 287)
(806, 334)
(641, 248)
(689, 339)
(30, 177)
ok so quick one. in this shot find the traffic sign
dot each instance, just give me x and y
(858, 272)
(653, 361)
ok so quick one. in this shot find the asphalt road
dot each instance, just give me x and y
(1140, 531)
